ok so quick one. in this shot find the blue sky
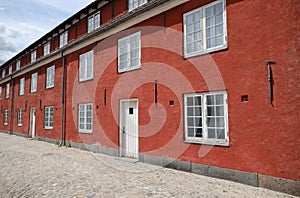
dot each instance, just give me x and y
(24, 21)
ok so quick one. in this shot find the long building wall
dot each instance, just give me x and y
(264, 138)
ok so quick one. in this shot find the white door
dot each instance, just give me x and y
(32, 123)
(129, 128)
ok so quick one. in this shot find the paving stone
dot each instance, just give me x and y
(30, 168)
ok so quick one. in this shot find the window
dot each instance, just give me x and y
(63, 39)
(205, 29)
(206, 118)
(0, 92)
(33, 56)
(47, 49)
(20, 117)
(50, 77)
(7, 90)
(34, 82)
(3, 73)
(86, 64)
(94, 22)
(10, 70)
(5, 121)
(133, 4)
(18, 65)
(129, 52)
(48, 117)
(22, 85)
(85, 118)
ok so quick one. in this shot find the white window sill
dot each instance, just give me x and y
(85, 132)
(48, 128)
(20, 125)
(211, 50)
(208, 142)
(130, 69)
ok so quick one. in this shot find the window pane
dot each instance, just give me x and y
(190, 101)
(219, 111)
(190, 121)
(211, 134)
(198, 122)
(199, 132)
(220, 122)
(190, 111)
(190, 132)
(219, 40)
(210, 111)
(198, 111)
(219, 8)
(211, 122)
(219, 19)
(219, 29)
(209, 11)
(210, 100)
(220, 134)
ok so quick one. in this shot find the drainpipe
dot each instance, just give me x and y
(12, 106)
(62, 126)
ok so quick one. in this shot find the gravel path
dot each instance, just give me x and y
(30, 168)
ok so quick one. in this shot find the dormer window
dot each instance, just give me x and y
(94, 22)
(133, 4)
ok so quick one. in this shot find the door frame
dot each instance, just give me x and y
(32, 122)
(121, 115)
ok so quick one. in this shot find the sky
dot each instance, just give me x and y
(24, 21)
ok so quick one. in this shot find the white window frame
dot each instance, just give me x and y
(20, 117)
(34, 79)
(7, 90)
(63, 39)
(18, 65)
(10, 70)
(47, 48)
(48, 117)
(5, 117)
(133, 4)
(203, 49)
(0, 92)
(94, 22)
(22, 86)
(84, 123)
(33, 56)
(86, 66)
(203, 109)
(3, 73)
(50, 77)
(125, 44)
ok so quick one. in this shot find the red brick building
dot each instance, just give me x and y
(209, 87)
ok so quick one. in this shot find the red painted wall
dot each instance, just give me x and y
(264, 138)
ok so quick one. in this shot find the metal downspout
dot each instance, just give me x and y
(62, 126)
(12, 107)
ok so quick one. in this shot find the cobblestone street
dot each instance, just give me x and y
(30, 168)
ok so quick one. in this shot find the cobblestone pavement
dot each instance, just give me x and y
(30, 168)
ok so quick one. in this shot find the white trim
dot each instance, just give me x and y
(204, 139)
(50, 77)
(88, 131)
(22, 86)
(63, 39)
(47, 111)
(33, 56)
(121, 114)
(7, 90)
(33, 84)
(20, 117)
(47, 49)
(92, 17)
(84, 60)
(204, 49)
(5, 117)
(127, 39)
